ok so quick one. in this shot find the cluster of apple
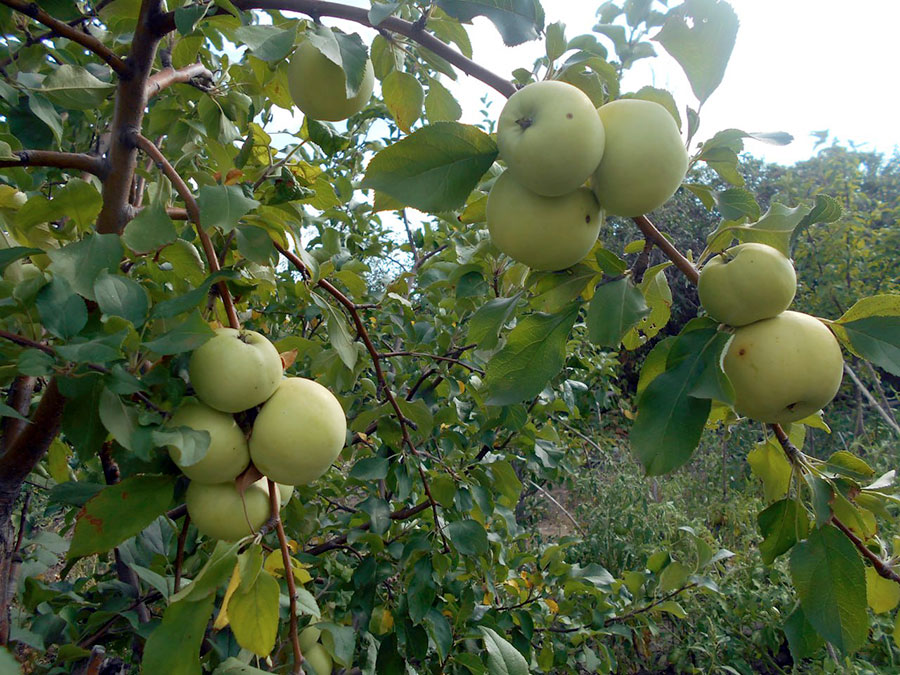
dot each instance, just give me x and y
(553, 140)
(784, 365)
(297, 434)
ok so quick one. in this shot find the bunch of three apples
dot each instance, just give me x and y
(553, 141)
(297, 434)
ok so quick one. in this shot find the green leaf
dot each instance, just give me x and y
(183, 303)
(517, 21)
(736, 203)
(671, 607)
(468, 536)
(440, 105)
(100, 525)
(674, 576)
(150, 230)
(185, 337)
(192, 445)
(379, 513)
(253, 615)
(380, 11)
(829, 577)
(46, 113)
(768, 463)
(215, 572)
(10, 255)
(255, 244)
(882, 595)
(534, 353)
(119, 419)
(802, 638)
(8, 663)
(269, 43)
(233, 666)
(615, 309)
(435, 168)
(62, 312)
(6, 411)
(347, 51)
(120, 296)
(370, 468)
(404, 97)
(782, 525)
(174, 646)
(502, 657)
(875, 305)
(847, 464)
(489, 319)
(74, 87)
(338, 332)
(700, 35)
(223, 206)
(877, 339)
(81, 262)
(775, 228)
(99, 350)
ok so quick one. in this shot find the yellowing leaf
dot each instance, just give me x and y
(551, 605)
(222, 617)
(275, 565)
(881, 594)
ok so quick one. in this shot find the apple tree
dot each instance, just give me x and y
(155, 187)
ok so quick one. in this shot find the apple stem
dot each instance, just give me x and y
(525, 122)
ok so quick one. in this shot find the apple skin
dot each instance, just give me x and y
(319, 86)
(319, 658)
(298, 433)
(235, 370)
(644, 161)
(228, 454)
(784, 368)
(545, 233)
(217, 511)
(749, 282)
(551, 137)
(308, 637)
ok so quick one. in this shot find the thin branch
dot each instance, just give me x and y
(871, 399)
(883, 569)
(62, 29)
(662, 243)
(195, 74)
(288, 574)
(179, 555)
(360, 15)
(339, 541)
(193, 211)
(560, 507)
(646, 608)
(436, 357)
(69, 161)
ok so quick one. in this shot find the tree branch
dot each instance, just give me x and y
(73, 161)
(883, 569)
(62, 29)
(27, 449)
(871, 399)
(193, 211)
(288, 574)
(658, 238)
(339, 541)
(436, 357)
(196, 74)
(360, 15)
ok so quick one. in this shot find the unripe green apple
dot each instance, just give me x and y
(644, 161)
(285, 492)
(235, 370)
(784, 368)
(319, 86)
(298, 433)
(545, 233)
(318, 658)
(218, 511)
(747, 283)
(228, 454)
(551, 137)
(308, 637)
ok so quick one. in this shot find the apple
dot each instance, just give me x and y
(644, 161)
(218, 511)
(551, 137)
(298, 433)
(235, 370)
(308, 637)
(285, 492)
(318, 658)
(228, 454)
(784, 368)
(747, 283)
(545, 233)
(319, 86)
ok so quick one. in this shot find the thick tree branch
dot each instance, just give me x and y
(74, 161)
(62, 29)
(360, 15)
(196, 74)
(19, 399)
(27, 449)
(883, 569)
(658, 238)
(193, 211)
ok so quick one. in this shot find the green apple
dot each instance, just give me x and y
(545, 233)
(319, 86)
(228, 454)
(219, 512)
(308, 637)
(318, 658)
(285, 492)
(551, 137)
(298, 433)
(747, 283)
(784, 368)
(644, 161)
(235, 370)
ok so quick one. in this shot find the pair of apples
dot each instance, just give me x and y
(298, 432)
(784, 365)
(553, 140)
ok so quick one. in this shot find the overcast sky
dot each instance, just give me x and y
(798, 66)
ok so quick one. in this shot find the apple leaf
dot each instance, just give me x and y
(347, 51)
(700, 35)
(183, 303)
(768, 463)
(223, 206)
(615, 309)
(10, 255)
(253, 614)
(100, 525)
(829, 577)
(185, 337)
(502, 657)
(151, 229)
(781, 525)
(404, 97)
(63, 313)
(534, 353)
(517, 21)
(802, 638)
(81, 262)
(435, 168)
(877, 339)
(174, 646)
(775, 228)
(74, 87)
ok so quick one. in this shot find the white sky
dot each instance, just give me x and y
(798, 66)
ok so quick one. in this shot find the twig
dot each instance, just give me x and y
(339, 541)
(560, 507)
(74, 161)
(98, 654)
(658, 238)
(646, 608)
(871, 399)
(193, 211)
(196, 74)
(62, 29)
(883, 569)
(436, 357)
(585, 438)
(288, 575)
(179, 555)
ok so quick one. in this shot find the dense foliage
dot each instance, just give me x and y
(487, 514)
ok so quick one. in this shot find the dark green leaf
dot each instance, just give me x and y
(468, 536)
(10, 255)
(99, 350)
(6, 411)
(802, 638)
(183, 303)
(120, 296)
(74, 87)
(736, 203)
(150, 230)
(63, 313)
(370, 468)
(174, 646)
(223, 206)
(185, 337)
(489, 319)
(877, 339)
(81, 262)
(502, 657)
(347, 51)
(269, 43)
(517, 21)
(615, 309)
(782, 525)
